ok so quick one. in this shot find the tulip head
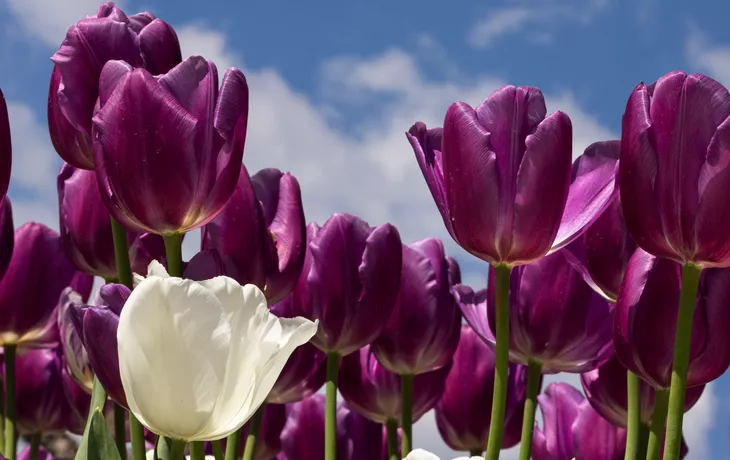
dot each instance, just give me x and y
(675, 165)
(646, 318)
(556, 319)
(6, 156)
(212, 345)
(423, 330)
(470, 384)
(260, 233)
(76, 359)
(186, 139)
(349, 282)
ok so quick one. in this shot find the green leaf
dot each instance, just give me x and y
(97, 443)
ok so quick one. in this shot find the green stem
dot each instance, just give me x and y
(406, 382)
(177, 450)
(10, 438)
(534, 379)
(121, 253)
(499, 398)
(136, 432)
(197, 450)
(232, 444)
(218, 449)
(330, 411)
(682, 339)
(120, 430)
(35, 445)
(644, 432)
(253, 432)
(173, 250)
(661, 403)
(633, 426)
(391, 428)
(475, 453)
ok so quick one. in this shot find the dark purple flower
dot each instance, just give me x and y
(29, 291)
(168, 149)
(364, 439)
(349, 282)
(261, 233)
(86, 232)
(140, 40)
(556, 319)
(646, 318)
(454, 271)
(606, 389)
(470, 385)
(6, 148)
(375, 392)
(500, 175)
(75, 358)
(7, 235)
(97, 328)
(675, 168)
(423, 330)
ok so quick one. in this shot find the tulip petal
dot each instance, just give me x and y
(6, 156)
(112, 75)
(420, 454)
(70, 144)
(139, 21)
(100, 340)
(159, 46)
(7, 235)
(559, 406)
(595, 437)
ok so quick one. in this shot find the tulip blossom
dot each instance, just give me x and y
(29, 291)
(646, 318)
(606, 389)
(76, 359)
(167, 148)
(212, 347)
(261, 233)
(501, 178)
(86, 233)
(470, 384)
(141, 40)
(6, 148)
(349, 282)
(375, 392)
(423, 330)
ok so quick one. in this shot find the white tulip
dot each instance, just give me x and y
(420, 454)
(198, 358)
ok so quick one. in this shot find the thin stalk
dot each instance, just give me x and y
(177, 450)
(35, 445)
(661, 403)
(330, 419)
(633, 383)
(391, 428)
(136, 433)
(120, 430)
(644, 432)
(197, 450)
(218, 449)
(173, 250)
(682, 339)
(499, 398)
(10, 439)
(121, 253)
(232, 444)
(534, 379)
(253, 432)
(406, 386)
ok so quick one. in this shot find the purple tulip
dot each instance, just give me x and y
(469, 385)
(43, 454)
(76, 360)
(97, 328)
(364, 439)
(141, 40)
(185, 138)
(261, 233)
(349, 282)
(29, 291)
(454, 271)
(646, 318)
(423, 330)
(556, 319)
(674, 168)
(46, 399)
(6, 148)
(86, 233)
(374, 392)
(500, 175)
(606, 389)
(7, 235)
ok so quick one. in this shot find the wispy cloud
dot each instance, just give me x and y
(705, 56)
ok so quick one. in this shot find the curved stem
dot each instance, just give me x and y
(633, 426)
(136, 433)
(197, 450)
(10, 439)
(218, 449)
(661, 402)
(534, 379)
(475, 453)
(177, 450)
(330, 419)
(682, 339)
(391, 428)
(121, 253)
(406, 382)
(499, 398)
(173, 250)
(120, 430)
(232, 444)
(253, 432)
(35, 445)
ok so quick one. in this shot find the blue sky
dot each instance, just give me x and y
(334, 85)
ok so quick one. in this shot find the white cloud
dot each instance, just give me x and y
(697, 425)
(707, 57)
(500, 22)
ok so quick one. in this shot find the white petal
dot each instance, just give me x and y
(420, 454)
(261, 344)
(232, 296)
(155, 268)
(174, 341)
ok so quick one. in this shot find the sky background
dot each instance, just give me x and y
(334, 86)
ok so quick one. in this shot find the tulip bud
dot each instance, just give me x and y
(261, 233)
(6, 148)
(349, 282)
(179, 175)
(646, 319)
(674, 167)
(86, 233)
(470, 384)
(423, 330)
